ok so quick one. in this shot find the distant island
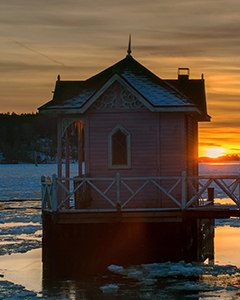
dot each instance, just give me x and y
(224, 158)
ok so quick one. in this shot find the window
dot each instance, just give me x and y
(119, 148)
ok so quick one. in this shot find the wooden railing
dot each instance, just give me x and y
(229, 184)
(49, 193)
(192, 190)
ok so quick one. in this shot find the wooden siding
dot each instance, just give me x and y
(142, 127)
(162, 144)
(143, 130)
(191, 146)
(157, 149)
(171, 152)
(171, 145)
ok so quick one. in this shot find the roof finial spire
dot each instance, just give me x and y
(129, 51)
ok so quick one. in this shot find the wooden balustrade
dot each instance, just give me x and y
(56, 193)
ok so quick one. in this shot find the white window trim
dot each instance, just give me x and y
(110, 165)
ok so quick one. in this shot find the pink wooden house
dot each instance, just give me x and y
(138, 139)
(130, 121)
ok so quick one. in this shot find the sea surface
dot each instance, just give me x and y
(21, 275)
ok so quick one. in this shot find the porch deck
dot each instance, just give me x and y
(159, 215)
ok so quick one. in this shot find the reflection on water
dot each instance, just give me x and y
(227, 245)
(24, 269)
(151, 281)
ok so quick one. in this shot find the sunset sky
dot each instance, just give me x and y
(79, 38)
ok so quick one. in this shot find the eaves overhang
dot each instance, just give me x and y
(66, 109)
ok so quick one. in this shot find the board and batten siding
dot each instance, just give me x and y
(191, 149)
(172, 153)
(143, 128)
(171, 144)
(157, 149)
(162, 144)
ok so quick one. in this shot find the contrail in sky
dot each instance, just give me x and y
(34, 51)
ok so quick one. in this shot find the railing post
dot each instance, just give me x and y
(42, 189)
(184, 190)
(54, 196)
(118, 182)
(211, 195)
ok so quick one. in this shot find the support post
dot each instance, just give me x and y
(67, 154)
(59, 154)
(86, 146)
(67, 162)
(79, 127)
(184, 190)
(59, 146)
(118, 182)
(42, 190)
(54, 196)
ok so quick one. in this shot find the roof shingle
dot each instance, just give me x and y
(158, 92)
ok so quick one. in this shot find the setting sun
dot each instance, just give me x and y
(214, 152)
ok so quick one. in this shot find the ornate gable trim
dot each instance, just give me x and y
(108, 100)
(128, 88)
(117, 97)
(128, 100)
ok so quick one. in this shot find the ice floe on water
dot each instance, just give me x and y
(8, 290)
(20, 211)
(109, 288)
(23, 229)
(11, 291)
(20, 239)
(232, 222)
(173, 278)
(20, 226)
(175, 270)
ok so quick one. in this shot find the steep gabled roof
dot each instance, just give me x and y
(160, 94)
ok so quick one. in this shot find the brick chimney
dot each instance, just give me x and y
(183, 74)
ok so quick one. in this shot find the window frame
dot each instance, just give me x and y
(128, 139)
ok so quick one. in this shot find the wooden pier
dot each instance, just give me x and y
(98, 236)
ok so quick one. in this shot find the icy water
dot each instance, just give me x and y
(20, 253)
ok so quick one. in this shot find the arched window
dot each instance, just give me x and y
(119, 148)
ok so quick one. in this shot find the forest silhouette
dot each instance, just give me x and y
(27, 138)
